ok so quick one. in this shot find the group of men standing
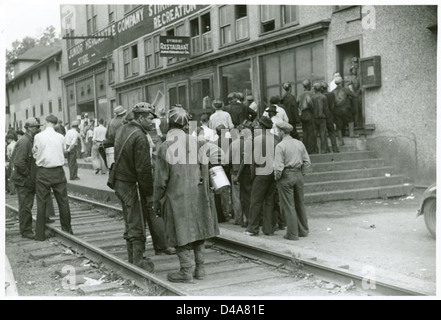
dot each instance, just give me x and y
(37, 168)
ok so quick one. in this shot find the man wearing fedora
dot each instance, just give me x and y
(48, 151)
(71, 142)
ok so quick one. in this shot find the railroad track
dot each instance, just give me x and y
(233, 269)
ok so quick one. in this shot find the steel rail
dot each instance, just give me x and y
(142, 278)
(338, 275)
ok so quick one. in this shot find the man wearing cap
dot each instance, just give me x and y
(114, 124)
(343, 110)
(306, 112)
(290, 102)
(263, 186)
(321, 113)
(133, 174)
(330, 117)
(220, 117)
(71, 142)
(183, 182)
(48, 151)
(23, 176)
(290, 165)
(240, 155)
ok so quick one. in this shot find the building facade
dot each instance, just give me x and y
(254, 49)
(35, 90)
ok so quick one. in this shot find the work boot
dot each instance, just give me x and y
(184, 274)
(199, 271)
(129, 251)
(138, 256)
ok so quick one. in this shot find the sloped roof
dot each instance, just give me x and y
(38, 53)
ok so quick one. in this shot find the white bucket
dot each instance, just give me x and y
(218, 178)
(110, 156)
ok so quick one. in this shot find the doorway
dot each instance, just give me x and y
(348, 56)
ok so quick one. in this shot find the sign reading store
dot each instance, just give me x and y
(137, 23)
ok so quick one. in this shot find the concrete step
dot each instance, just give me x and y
(347, 165)
(363, 193)
(342, 156)
(348, 174)
(354, 184)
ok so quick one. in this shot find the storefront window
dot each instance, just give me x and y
(236, 78)
(155, 95)
(294, 66)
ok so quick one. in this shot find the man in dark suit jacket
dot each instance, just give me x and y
(289, 102)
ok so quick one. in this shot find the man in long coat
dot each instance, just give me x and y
(183, 182)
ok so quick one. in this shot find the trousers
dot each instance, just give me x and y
(25, 203)
(134, 226)
(72, 162)
(262, 191)
(290, 188)
(55, 179)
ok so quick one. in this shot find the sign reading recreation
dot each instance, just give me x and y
(172, 46)
(137, 23)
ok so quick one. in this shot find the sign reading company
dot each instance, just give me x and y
(172, 46)
(135, 24)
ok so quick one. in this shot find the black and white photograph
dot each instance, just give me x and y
(235, 152)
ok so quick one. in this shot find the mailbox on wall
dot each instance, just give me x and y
(370, 69)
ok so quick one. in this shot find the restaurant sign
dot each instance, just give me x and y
(172, 46)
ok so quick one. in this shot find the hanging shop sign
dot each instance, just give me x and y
(173, 46)
(138, 23)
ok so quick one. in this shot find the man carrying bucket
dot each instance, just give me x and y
(113, 125)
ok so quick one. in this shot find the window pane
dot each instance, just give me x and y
(226, 15)
(226, 34)
(271, 65)
(135, 51)
(194, 27)
(205, 23)
(236, 78)
(182, 92)
(207, 42)
(318, 64)
(241, 11)
(287, 70)
(268, 12)
(303, 63)
(242, 28)
(289, 14)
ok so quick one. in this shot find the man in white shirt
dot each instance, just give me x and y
(48, 151)
(99, 135)
(220, 117)
(71, 143)
(281, 113)
(209, 134)
(332, 84)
